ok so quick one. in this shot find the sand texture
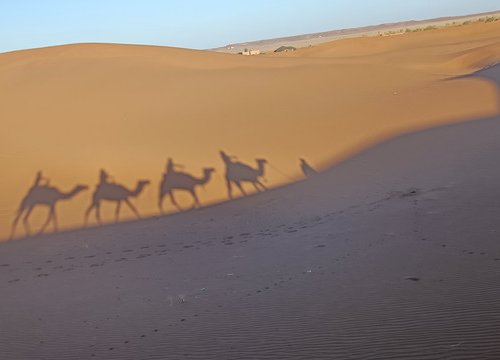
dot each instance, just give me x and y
(391, 253)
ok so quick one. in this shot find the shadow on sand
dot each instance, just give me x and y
(236, 173)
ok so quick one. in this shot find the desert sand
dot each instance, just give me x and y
(391, 252)
(72, 110)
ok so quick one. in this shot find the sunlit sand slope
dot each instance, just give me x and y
(71, 110)
(392, 254)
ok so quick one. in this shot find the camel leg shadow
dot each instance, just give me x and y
(14, 224)
(196, 203)
(172, 198)
(229, 188)
(50, 217)
(238, 184)
(117, 211)
(26, 221)
(132, 207)
(97, 209)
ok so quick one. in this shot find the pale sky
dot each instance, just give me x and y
(203, 24)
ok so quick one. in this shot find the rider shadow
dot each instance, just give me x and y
(173, 179)
(41, 193)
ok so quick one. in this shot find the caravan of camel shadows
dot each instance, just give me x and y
(41, 193)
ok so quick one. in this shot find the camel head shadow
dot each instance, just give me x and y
(238, 173)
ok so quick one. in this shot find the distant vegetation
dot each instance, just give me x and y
(486, 19)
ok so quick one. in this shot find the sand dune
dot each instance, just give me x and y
(391, 253)
(71, 110)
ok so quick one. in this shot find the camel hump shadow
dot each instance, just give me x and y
(111, 191)
(42, 195)
(237, 173)
(173, 179)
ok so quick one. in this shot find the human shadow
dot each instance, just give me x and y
(237, 173)
(110, 191)
(307, 169)
(178, 180)
(42, 194)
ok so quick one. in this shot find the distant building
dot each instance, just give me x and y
(250, 52)
(285, 49)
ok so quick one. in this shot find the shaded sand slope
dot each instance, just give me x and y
(317, 269)
(74, 109)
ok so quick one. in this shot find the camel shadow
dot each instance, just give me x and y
(173, 179)
(238, 173)
(42, 195)
(113, 192)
